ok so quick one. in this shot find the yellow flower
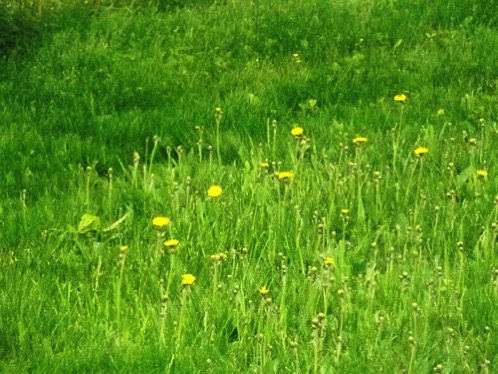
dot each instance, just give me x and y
(328, 261)
(344, 211)
(264, 165)
(160, 222)
(297, 131)
(218, 257)
(188, 279)
(482, 173)
(285, 175)
(401, 98)
(360, 140)
(123, 248)
(420, 151)
(172, 243)
(215, 191)
(263, 291)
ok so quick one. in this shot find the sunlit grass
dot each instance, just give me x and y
(333, 265)
(292, 188)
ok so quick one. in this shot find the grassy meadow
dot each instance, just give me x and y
(248, 186)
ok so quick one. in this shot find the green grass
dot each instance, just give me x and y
(117, 113)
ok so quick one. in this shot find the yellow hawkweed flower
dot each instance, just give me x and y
(172, 243)
(297, 131)
(160, 222)
(187, 279)
(218, 257)
(482, 173)
(328, 261)
(215, 191)
(344, 211)
(285, 175)
(359, 140)
(420, 151)
(263, 291)
(401, 98)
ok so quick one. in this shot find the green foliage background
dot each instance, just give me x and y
(104, 78)
(84, 85)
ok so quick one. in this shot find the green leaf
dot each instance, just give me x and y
(464, 176)
(398, 43)
(88, 222)
(117, 223)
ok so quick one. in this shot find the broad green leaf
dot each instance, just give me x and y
(464, 176)
(88, 222)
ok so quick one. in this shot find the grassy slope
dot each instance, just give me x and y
(106, 84)
(97, 87)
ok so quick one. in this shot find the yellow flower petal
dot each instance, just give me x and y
(218, 257)
(284, 175)
(188, 279)
(328, 261)
(420, 151)
(297, 131)
(263, 290)
(401, 98)
(172, 243)
(215, 191)
(360, 140)
(160, 222)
